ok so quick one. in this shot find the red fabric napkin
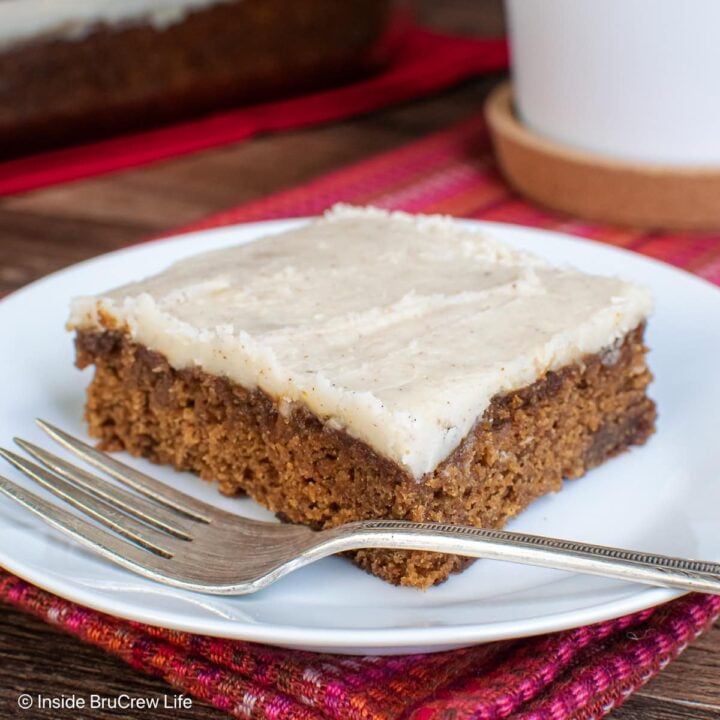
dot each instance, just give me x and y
(580, 674)
(574, 675)
(427, 62)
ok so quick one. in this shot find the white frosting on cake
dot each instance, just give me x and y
(22, 20)
(398, 329)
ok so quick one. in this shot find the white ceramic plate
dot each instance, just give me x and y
(664, 497)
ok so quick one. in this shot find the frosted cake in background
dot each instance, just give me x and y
(76, 69)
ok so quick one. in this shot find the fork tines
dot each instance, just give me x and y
(154, 517)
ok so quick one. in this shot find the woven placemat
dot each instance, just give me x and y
(572, 675)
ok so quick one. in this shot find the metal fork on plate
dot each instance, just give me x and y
(161, 533)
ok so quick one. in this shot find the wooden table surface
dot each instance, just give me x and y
(49, 229)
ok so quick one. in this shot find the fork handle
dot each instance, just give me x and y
(628, 565)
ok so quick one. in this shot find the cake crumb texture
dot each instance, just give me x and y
(308, 472)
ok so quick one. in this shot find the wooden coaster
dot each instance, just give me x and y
(591, 186)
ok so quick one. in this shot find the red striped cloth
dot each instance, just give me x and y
(579, 674)
(574, 675)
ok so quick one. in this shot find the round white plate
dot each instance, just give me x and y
(663, 497)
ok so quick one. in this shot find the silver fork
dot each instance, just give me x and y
(163, 534)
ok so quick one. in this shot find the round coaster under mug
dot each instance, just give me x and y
(593, 186)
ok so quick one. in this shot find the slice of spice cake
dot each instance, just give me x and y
(372, 365)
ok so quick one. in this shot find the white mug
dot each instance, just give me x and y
(633, 80)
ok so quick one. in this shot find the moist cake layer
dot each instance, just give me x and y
(396, 329)
(309, 472)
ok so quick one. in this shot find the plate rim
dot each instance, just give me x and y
(333, 639)
(346, 639)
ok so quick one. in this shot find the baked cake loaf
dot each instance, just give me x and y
(74, 69)
(372, 365)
